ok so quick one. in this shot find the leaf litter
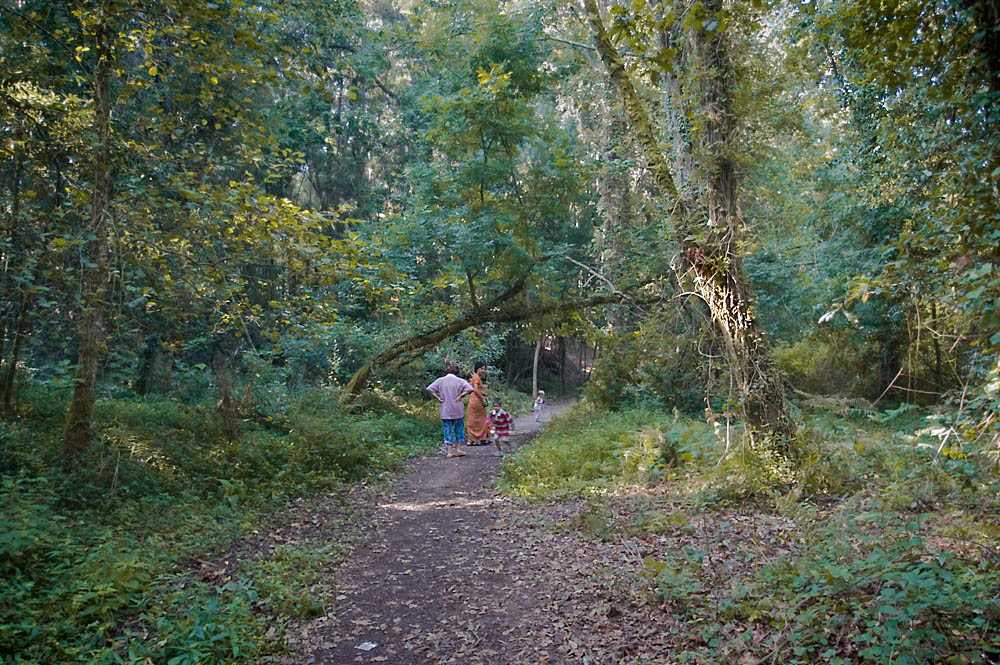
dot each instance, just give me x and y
(450, 571)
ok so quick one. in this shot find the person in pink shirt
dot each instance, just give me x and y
(449, 390)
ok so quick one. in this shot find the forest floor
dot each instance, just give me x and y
(449, 571)
(433, 565)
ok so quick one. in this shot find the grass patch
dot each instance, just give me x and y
(287, 574)
(588, 450)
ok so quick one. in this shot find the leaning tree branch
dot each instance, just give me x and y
(414, 346)
(651, 153)
(570, 42)
(422, 340)
(529, 312)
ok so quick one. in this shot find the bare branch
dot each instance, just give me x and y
(570, 43)
(607, 281)
(597, 275)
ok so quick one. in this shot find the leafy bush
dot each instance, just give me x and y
(902, 453)
(513, 400)
(862, 589)
(883, 596)
(751, 470)
(70, 594)
(193, 623)
(825, 362)
(284, 578)
(675, 581)
(594, 520)
(615, 375)
(650, 364)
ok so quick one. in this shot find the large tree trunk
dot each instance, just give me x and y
(614, 190)
(562, 365)
(19, 329)
(534, 364)
(78, 431)
(710, 252)
(227, 407)
(722, 282)
(721, 285)
(147, 364)
(10, 230)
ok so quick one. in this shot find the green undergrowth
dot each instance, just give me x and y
(100, 565)
(513, 400)
(875, 544)
(858, 587)
(899, 454)
(587, 449)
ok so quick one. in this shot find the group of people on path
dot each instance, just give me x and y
(476, 425)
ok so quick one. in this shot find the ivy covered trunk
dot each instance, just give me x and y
(90, 319)
(720, 282)
(709, 228)
(720, 279)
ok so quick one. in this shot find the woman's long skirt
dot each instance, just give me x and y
(476, 429)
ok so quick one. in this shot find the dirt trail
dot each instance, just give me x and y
(446, 573)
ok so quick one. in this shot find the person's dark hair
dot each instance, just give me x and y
(476, 367)
(497, 401)
(452, 368)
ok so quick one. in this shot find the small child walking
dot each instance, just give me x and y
(538, 405)
(501, 423)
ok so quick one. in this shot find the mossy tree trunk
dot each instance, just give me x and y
(19, 328)
(534, 364)
(708, 230)
(90, 319)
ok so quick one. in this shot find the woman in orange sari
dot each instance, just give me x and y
(477, 430)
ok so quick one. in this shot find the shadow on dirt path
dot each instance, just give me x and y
(444, 572)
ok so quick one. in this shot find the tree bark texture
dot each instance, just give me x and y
(709, 249)
(614, 190)
(534, 364)
(562, 365)
(10, 230)
(227, 407)
(19, 328)
(90, 327)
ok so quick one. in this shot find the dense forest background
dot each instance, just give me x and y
(238, 239)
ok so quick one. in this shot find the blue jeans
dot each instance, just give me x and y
(454, 430)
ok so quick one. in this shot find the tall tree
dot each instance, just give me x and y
(160, 225)
(99, 32)
(922, 83)
(706, 216)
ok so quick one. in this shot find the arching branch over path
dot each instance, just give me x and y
(501, 309)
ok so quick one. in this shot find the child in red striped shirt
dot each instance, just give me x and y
(501, 424)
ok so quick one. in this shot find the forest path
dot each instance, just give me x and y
(448, 572)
